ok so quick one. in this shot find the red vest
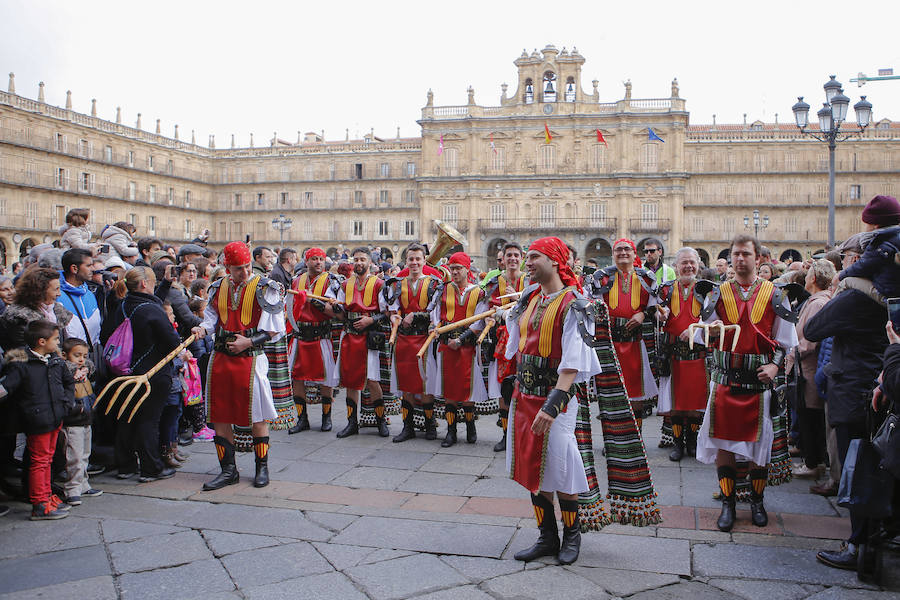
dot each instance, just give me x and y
(622, 304)
(505, 287)
(456, 307)
(237, 314)
(755, 316)
(307, 313)
(363, 300)
(415, 297)
(683, 311)
(545, 337)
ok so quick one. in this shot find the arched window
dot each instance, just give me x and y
(529, 91)
(549, 89)
(570, 89)
(649, 158)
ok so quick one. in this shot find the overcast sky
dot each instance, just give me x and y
(261, 67)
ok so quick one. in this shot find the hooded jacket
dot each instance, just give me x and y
(82, 302)
(75, 237)
(42, 392)
(16, 318)
(120, 242)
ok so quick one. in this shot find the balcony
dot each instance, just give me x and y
(648, 225)
(551, 225)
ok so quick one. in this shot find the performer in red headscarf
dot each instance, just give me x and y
(244, 312)
(542, 453)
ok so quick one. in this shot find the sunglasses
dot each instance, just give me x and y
(650, 250)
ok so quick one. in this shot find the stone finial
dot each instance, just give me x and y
(93, 107)
(119, 115)
(429, 98)
(232, 140)
(138, 124)
(503, 88)
(745, 118)
(12, 83)
(251, 140)
(68, 99)
(274, 138)
(398, 132)
(212, 140)
(323, 136)
(193, 138)
(714, 119)
(41, 92)
(299, 137)
(776, 118)
(628, 90)
(595, 83)
(347, 134)
(176, 131)
(158, 130)
(471, 92)
(675, 88)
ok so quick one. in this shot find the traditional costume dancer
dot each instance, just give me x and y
(312, 353)
(359, 364)
(456, 366)
(244, 312)
(737, 423)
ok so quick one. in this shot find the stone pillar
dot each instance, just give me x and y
(158, 131)
(41, 92)
(251, 140)
(193, 138)
(12, 83)
(232, 140)
(212, 140)
(176, 131)
(93, 107)
(137, 125)
(68, 99)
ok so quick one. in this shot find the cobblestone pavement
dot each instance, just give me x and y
(365, 518)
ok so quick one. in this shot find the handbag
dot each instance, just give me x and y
(866, 488)
(887, 443)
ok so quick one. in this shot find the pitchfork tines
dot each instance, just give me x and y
(706, 327)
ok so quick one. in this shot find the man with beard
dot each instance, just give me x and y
(359, 364)
(312, 353)
(502, 371)
(542, 452)
(456, 366)
(738, 421)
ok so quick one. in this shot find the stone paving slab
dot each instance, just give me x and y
(378, 478)
(314, 587)
(458, 464)
(477, 569)
(23, 536)
(222, 543)
(158, 551)
(139, 508)
(343, 556)
(619, 582)
(405, 577)
(770, 590)
(53, 568)
(390, 458)
(262, 566)
(312, 472)
(95, 588)
(195, 580)
(427, 536)
(547, 582)
(261, 521)
(119, 530)
(466, 592)
(693, 590)
(437, 483)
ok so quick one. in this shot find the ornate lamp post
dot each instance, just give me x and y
(831, 117)
(281, 223)
(757, 223)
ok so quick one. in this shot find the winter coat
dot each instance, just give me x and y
(822, 361)
(154, 336)
(16, 318)
(877, 262)
(891, 378)
(82, 302)
(43, 393)
(120, 242)
(281, 275)
(75, 237)
(857, 324)
(186, 320)
(809, 350)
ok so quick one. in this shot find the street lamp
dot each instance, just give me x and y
(831, 117)
(757, 224)
(281, 223)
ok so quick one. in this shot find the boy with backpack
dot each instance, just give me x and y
(37, 381)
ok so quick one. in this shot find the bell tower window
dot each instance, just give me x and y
(570, 89)
(549, 87)
(529, 91)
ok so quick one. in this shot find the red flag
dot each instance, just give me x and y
(547, 136)
(600, 139)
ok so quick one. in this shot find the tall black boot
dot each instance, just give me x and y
(229, 474)
(408, 431)
(471, 434)
(727, 476)
(380, 421)
(261, 450)
(352, 427)
(450, 415)
(302, 417)
(548, 540)
(678, 435)
(571, 537)
(504, 422)
(758, 478)
(430, 423)
(691, 429)
(326, 413)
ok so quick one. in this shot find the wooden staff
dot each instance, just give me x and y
(139, 382)
(488, 323)
(428, 341)
(312, 296)
(394, 327)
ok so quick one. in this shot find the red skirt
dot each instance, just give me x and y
(457, 373)
(354, 361)
(505, 368)
(308, 363)
(406, 363)
(737, 417)
(230, 380)
(689, 385)
(528, 449)
(631, 360)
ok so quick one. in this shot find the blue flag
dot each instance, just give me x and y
(652, 136)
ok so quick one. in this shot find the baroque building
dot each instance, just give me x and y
(549, 158)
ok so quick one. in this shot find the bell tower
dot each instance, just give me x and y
(547, 77)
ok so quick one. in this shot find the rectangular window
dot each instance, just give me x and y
(698, 163)
(131, 158)
(357, 228)
(83, 148)
(759, 162)
(149, 162)
(383, 228)
(410, 196)
(188, 227)
(357, 171)
(260, 173)
(410, 169)
(237, 230)
(84, 182)
(31, 174)
(790, 224)
(822, 162)
(820, 225)
(855, 192)
(728, 224)
(451, 166)
(498, 160)
(237, 200)
(697, 224)
(285, 173)
(308, 199)
(309, 173)
(108, 154)
(285, 198)
(132, 190)
(732, 162)
(649, 158)
(31, 212)
(649, 214)
(790, 161)
(409, 228)
(792, 191)
(62, 144)
(358, 198)
(548, 214)
(260, 199)
(384, 197)
(385, 170)
(171, 196)
(62, 178)
(449, 213)
(598, 214)
(151, 224)
(151, 194)
(547, 160)
(132, 218)
(758, 192)
(238, 175)
(598, 158)
(822, 190)
(498, 215)
(187, 198)
(332, 171)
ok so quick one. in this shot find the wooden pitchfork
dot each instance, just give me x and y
(312, 296)
(137, 383)
(706, 327)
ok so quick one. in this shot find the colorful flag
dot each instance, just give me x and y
(653, 137)
(600, 139)
(441, 145)
(493, 149)
(547, 136)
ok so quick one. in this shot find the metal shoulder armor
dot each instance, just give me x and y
(664, 292)
(391, 290)
(274, 307)
(711, 297)
(584, 309)
(523, 301)
(602, 281)
(779, 295)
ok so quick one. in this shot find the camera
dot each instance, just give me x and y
(109, 276)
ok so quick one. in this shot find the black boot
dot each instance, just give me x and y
(326, 414)
(352, 427)
(229, 474)
(501, 445)
(548, 541)
(504, 423)
(408, 431)
(758, 478)
(571, 537)
(302, 417)
(678, 435)
(430, 423)
(691, 429)
(380, 421)
(450, 438)
(261, 450)
(727, 476)
(471, 435)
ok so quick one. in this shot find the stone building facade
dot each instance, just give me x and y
(550, 158)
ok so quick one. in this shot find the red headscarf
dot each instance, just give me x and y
(460, 258)
(637, 260)
(237, 254)
(554, 249)
(314, 252)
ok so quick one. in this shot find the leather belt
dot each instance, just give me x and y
(223, 336)
(535, 378)
(312, 331)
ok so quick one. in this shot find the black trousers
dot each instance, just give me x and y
(811, 422)
(846, 432)
(141, 436)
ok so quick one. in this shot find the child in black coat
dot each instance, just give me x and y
(77, 428)
(38, 383)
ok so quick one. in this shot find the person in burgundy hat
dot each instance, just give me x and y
(879, 261)
(245, 311)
